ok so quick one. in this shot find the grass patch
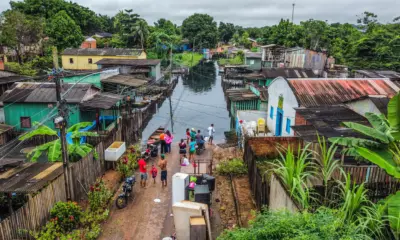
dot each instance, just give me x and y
(231, 61)
(187, 59)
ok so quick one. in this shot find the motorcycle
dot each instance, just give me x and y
(200, 148)
(127, 187)
(151, 151)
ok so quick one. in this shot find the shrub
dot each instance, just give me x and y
(66, 215)
(99, 195)
(323, 224)
(234, 167)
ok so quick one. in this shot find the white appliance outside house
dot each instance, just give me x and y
(114, 151)
(179, 183)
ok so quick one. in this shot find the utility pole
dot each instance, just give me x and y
(61, 123)
(194, 41)
(293, 12)
(169, 97)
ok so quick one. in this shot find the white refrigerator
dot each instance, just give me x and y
(179, 183)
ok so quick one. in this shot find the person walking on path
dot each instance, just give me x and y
(168, 140)
(182, 150)
(153, 172)
(143, 172)
(211, 132)
(163, 166)
(162, 142)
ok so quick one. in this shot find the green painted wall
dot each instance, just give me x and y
(93, 79)
(37, 112)
(254, 63)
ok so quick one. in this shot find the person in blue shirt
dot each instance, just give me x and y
(192, 149)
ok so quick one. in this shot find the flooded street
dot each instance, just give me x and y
(197, 101)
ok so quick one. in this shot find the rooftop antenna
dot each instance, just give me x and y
(293, 12)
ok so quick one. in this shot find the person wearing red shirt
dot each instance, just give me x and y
(143, 172)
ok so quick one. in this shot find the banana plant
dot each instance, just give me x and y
(381, 148)
(76, 150)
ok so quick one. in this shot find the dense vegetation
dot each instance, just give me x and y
(366, 43)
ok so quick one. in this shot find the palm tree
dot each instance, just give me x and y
(76, 150)
(141, 32)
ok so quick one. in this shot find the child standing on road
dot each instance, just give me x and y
(153, 172)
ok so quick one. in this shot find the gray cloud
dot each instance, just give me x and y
(246, 13)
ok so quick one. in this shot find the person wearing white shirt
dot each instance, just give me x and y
(211, 132)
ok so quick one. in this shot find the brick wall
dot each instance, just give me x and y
(268, 146)
(299, 120)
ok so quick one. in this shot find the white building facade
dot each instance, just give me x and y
(281, 104)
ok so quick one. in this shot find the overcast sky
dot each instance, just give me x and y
(246, 12)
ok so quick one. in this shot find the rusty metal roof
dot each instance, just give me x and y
(320, 92)
(40, 92)
(129, 62)
(240, 94)
(29, 177)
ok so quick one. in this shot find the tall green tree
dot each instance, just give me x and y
(200, 29)
(226, 31)
(141, 32)
(18, 30)
(124, 21)
(64, 32)
(166, 26)
(85, 18)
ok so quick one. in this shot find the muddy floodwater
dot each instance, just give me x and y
(196, 102)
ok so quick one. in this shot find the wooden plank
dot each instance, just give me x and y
(46, 172)
(14, 171)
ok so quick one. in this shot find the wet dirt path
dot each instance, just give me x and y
(143, 218)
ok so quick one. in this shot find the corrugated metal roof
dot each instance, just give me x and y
(102, 51)
(327, 121)
(288, 73)
(240, 94)
(23, 181)
(12, 79)
(379, 74)
(128, 80)
(101, 101)
(129, 62)
(253, 55)
(320, 92)
(35, 92)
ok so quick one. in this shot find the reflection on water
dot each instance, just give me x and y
(201, 78)
(197, 102)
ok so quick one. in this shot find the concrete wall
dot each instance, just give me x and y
(280, 86)
(279, 198)
(363, 106)
(82, 62)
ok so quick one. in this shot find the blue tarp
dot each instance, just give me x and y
(88, 128)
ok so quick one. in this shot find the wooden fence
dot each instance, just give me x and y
(34, 213)
(259, 188)
(365, 174)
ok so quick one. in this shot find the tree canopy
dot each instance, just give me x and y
(200, 29)
(63, 31)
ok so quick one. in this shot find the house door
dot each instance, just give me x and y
(279, 120)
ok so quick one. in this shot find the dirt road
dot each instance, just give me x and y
(144, 219)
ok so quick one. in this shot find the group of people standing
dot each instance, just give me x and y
(193, 138)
